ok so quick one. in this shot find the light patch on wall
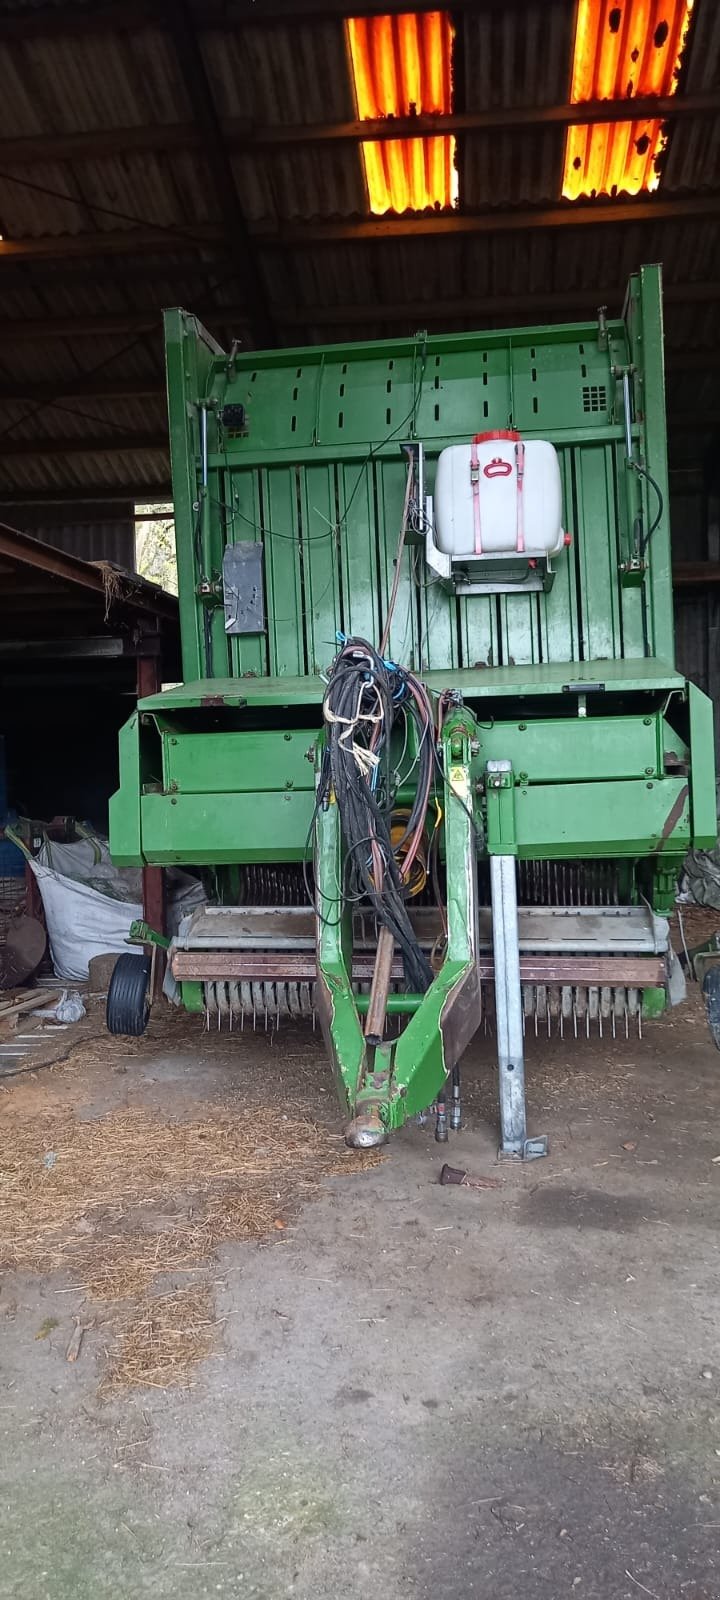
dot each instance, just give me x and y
(402, 66)
(622, 51)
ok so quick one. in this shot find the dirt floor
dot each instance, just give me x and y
(406, 1390)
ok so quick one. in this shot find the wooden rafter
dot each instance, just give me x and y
(240, 134)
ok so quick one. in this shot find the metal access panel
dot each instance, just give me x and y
(242, 580)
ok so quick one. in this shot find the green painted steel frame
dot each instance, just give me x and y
(317, 474)
(381, 1087)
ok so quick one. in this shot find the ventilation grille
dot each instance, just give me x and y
(594, 397)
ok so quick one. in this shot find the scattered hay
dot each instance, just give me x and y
(84, 1196)
(116, 583)
(123, 1199)
(163, 1340)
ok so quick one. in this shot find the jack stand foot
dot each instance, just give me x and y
(366, 1131)
(531, 1150)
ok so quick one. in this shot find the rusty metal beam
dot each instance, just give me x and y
(296, 966)
(240, 133)
(28, 553)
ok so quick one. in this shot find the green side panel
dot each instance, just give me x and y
(575, 749)
(210, 829)
(646, 343)
(603, 819)
(227, 763)
(702, 778)
(125, 825)
(190, 357)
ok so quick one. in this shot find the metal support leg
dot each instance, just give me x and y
(502, 846)
(508, 1008)
(508, 1004)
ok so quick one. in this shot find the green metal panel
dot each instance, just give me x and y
(242, 763)
(646, 343)
(603, 819)
(190, 354)
(125, 821)
(574, 749)
(702, 773)
(209, 830)
(317, 476)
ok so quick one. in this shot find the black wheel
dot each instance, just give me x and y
(128, 997)
(711, 993)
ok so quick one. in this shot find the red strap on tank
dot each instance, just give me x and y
(475, 482)
(496, 433)
(520, 467)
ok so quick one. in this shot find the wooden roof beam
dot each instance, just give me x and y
(79, 445)
(12, 501)
(137, 241)
(99, 387)
(570, 214)
(50, 22)
(240, 134)
(115, 242)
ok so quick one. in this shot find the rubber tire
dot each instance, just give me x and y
(711, 996)
(128, 996)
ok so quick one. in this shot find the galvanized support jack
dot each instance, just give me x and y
(506, 951)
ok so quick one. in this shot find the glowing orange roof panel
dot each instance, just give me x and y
(623, 48)
(402, 66)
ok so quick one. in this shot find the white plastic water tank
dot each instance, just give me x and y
(498, 495)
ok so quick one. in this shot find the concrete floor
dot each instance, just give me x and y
(425, 1392)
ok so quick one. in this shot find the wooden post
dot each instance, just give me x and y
(153, 878)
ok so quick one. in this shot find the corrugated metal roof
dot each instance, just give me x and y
(290, 73)
(104, 532)
(402, 66)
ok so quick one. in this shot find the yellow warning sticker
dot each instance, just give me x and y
(458, 780)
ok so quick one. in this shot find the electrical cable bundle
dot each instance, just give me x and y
(366, 697)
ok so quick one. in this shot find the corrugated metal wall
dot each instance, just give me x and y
(93, 532)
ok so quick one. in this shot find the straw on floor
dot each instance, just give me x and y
(121, 1200)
